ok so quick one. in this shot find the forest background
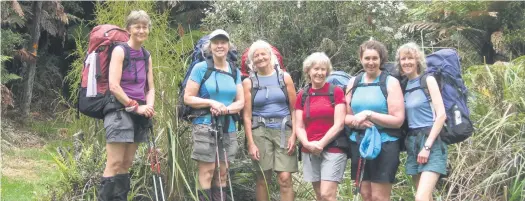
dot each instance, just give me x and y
(49, 154)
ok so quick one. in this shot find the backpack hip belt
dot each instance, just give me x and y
(257, 120)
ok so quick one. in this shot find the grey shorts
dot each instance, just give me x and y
(122, 126)
(327, 167)
(204, 144)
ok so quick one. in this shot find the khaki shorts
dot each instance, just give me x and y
(272, 156)
(205, 144)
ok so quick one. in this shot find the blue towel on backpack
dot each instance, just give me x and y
(370, 144)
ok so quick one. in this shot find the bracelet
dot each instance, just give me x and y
(132, 103)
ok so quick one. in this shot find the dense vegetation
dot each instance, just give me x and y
(489, 166)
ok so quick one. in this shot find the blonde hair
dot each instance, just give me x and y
(416, 52)
(138, 16)
(260, 44)
(318, 58)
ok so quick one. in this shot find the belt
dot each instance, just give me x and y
(256, 120)
(420, 134)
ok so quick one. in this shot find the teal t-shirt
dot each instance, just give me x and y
(371, 98)
(219, 86)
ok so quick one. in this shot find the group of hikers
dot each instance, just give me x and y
(362, 121)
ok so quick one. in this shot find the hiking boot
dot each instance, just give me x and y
(204, 195)
(216, 193)
(105, 191)
(122, 187)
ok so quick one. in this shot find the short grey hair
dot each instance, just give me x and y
(138, 16)
(319, 58)
(257, 45)
(416, 51)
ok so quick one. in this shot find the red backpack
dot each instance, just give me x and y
(245, 70)
(102, 40)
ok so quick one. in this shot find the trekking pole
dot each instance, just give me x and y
(155, 166)
(214, 123)
(220, 127)
(359, 175)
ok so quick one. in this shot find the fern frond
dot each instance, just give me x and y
(415, 27)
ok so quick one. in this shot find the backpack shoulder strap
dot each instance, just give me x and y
(424, 86)
(331, 94)
(233, 68)
(357, 80)
(209, 69)
(146, 59)
(383, 77)
(282, 83)
(255, 85)
(305, 95)
(127, 53)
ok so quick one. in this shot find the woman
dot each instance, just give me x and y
(427, 154)
(270, 144)
(223, 100)
(318, 122)
(132, 86)
(370, 106)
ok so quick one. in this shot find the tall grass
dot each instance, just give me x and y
(489, 166)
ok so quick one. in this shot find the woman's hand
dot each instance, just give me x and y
(145, 110)
(253, 151)
(217, 108)
(314, 147)
(291, 145)
(423, 155)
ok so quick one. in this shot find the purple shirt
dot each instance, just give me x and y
(133, 80)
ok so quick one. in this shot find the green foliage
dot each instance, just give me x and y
(6, 76)
(169, 53)
(492, 158)
(27, 173)
(12, 41)
(298, 29)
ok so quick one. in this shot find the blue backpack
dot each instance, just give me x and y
(444, 65)
(184, 111)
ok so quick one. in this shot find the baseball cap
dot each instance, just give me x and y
(219, 32)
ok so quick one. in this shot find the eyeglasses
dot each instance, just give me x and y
(139, 27)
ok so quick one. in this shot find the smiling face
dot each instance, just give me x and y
(261, 58)
(408, 63)
(219, 47)
(317, 74)
(139, 32)
(371, 61)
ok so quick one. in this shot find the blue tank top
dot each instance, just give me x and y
(419, 110)
(270, 102)
(371, 98)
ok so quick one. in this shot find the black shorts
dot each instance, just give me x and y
(383, 168)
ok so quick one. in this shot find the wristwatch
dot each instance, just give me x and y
(426, 148)
(368, 114)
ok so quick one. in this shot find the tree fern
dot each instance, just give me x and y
(7, 77)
